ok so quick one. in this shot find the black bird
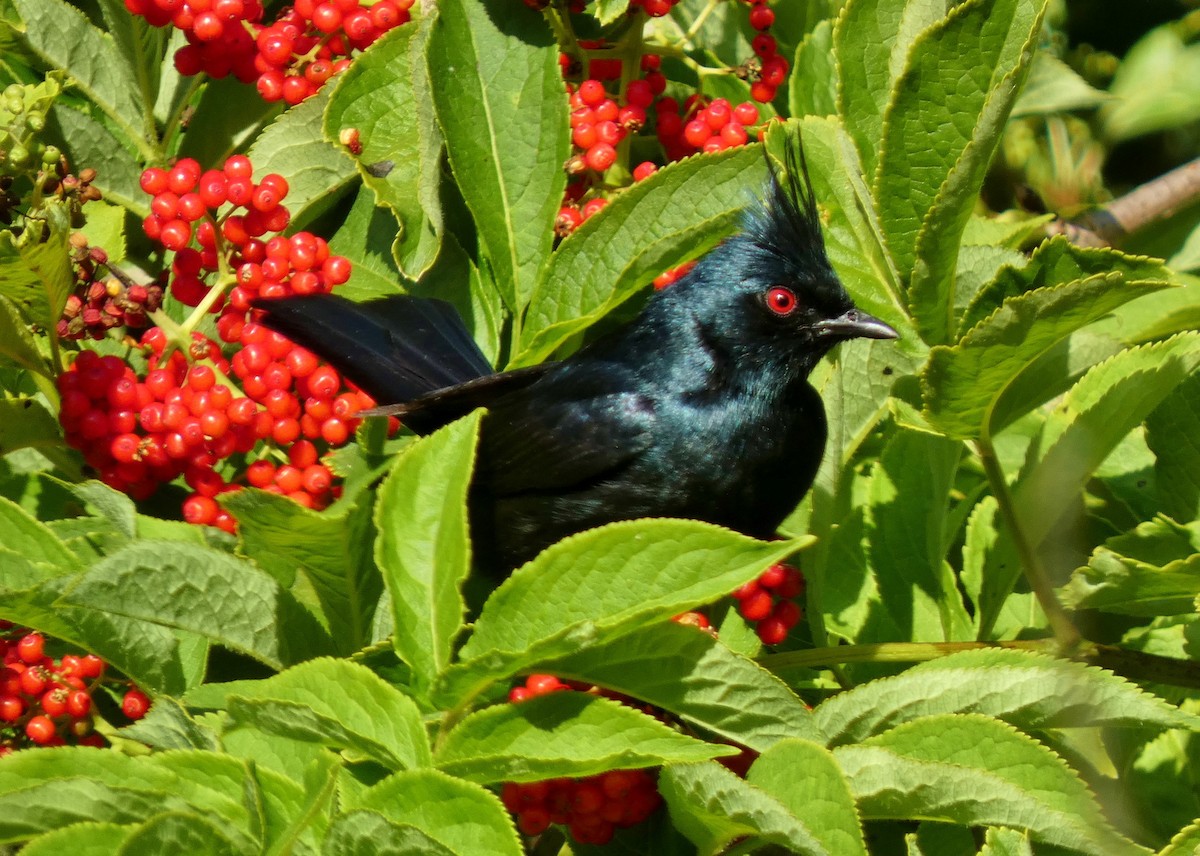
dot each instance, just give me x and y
(699, 408)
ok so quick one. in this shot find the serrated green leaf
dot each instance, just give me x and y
(179, 832)
(977, 267)
(385, 96)
(1152, 570)
(105, 227)
(931, 289)
(689, 673)
(368, 833)
(317, 172)
(563, 734)
(91, 141)
(820, 796)
(423, 548)
(1185, 843)
(460, 815)
(331, 550)
(366, 714)
(1110, 400)
(79, 839)
(1005, 842)
(1171, 435)
(17, 345)
(206, 592)
(1031, 691)
(713, 808)
(937, 111)
(962, 384)
(1055, 87)
(974, 770)
(622, 576)
(35, 268)
(167, 725)
(366, 238)
(24, 534)
(814, 83)
(676, 214)
(871, 41)
(109, 504)
(494, 86)
(232, 115)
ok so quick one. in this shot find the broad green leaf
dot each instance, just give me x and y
(608, 11)
(978, 267)
(501, 103)
(368, 833)
(24, 534)
(600, 583)
(974, 770)
(1171, 435)
(44, 807)
(676, 214)
(1031, 691)
(105, 227)
(458, 814)
(179, 832)
(931, 290)
(1011, 229)
(206, 592)
(167, 725)
(110, 504)
(1005, 842)
(317, 172)
(331, 550)
(62, 37)
(423, 549)
(962, 383)
(945, 108)
(93, 141)
(1185, 843)
(1188, 256)
(232, 115)
(366, 238)
(17, 345)
(563, 733)
(1055, 87)
(283, 755)
(79, 839)
(908, 502)
(1152, 570)
(819, 796)
(1110, 400)
(871, 41)
(689, 673)
(25, 423)
(713, 808)
(35, 268)
(385, 96)
(1155, 87)
(364, 714)
(813, 85)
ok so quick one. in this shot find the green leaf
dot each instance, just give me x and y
(460, 815)
(206, 592)
(79, 839)
(331, 549)
(931, 290)
(366, 237)
(813, 84)
(385, 96)
(365, 713)
(92, 141)
(689, 673)
(167, 725)
(944, 113)
(1184, 843)
(608, 11)
(22, 533)
(17, 345)
(105, 227)
(563, 734)
(1055, 87)
(1005, 842)
(677, 214)
(963, 383)
(616, 578)
(1110, 400)
(1031, 691)
(62, 37)
(179, 832)
(1171, 435)
(315, 169)
(713, 808)
(1153, 570)
(1155, 86)
(871, 41)
(820, 797)
(424, 549)
(501, 104)
(35, 268)
(110, 504)
(974, 770)
(232, 115)
(367, 833)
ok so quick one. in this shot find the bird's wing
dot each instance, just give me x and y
(573, 429)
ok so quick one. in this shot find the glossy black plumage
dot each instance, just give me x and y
(700, 408)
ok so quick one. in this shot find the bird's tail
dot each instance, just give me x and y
(396, 348)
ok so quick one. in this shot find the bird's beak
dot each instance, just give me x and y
(855, 324)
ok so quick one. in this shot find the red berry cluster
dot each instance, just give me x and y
(44, 701)
(702, 127)
(769, 602)
(653, 8)
(768, 70)
(219, 33)
(98, 303)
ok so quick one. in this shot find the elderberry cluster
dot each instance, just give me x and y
(769, 602)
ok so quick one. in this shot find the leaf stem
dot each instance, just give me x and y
(1064, 629)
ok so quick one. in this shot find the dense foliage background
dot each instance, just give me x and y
(996, 651)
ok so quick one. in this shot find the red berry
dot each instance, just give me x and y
(31, 648)
(757, 606)
(79, 704)
(772, 631)
(135, 704)
(40, 729)
(600, 157)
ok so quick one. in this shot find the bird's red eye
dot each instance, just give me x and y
(780, 300)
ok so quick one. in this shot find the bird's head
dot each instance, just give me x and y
(769, 294)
